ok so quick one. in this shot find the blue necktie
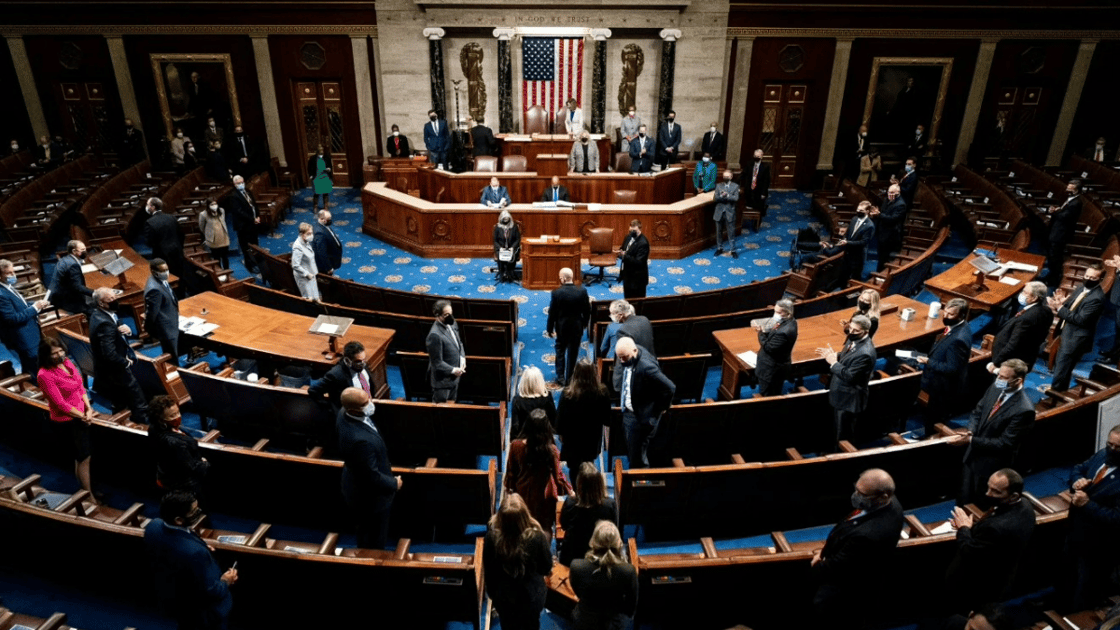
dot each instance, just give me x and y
(555, 195)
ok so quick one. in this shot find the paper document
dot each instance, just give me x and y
(750, 357)
(943, 528)
(1008, 280)
(88, 267)
(908, 354)
(233, 540)
(328, 329)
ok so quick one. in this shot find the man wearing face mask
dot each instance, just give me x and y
(555, 193)
(396, 145)
(856, 557)
(368, 484)
(1023, 334)
(507, 246)
(447, 359)
(327, 246)
(216, 167)
(161, 231)
(68, 285)
(714, 144)
(918, 142)
(855, 243)
(641, 152)
(494, 195)
(482, 138)
(1094, 516)
(584, 157)
(214, 134)
(242, 153)
(1079, 313)
(1063, 223)
(437, 139)
(628, 129)
(775, 345)
(755, 180)
(113, 358)
(132, 145)
(645, 394)
(669, 141)
(1098, 151)
(946, 365)
(15, 146)
(727, 196)
(350, 371)
(569, 310)
(636, 327)
(704, 177)
(246, 221)
(19, 321)
(634, 267)
(161, 310)
(908, 183)
(851, 370)
(888, 225)
(859, 147)
(996, 427)
(47, 154)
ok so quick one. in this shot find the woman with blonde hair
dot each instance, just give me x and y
(868, 306)
(303, 263)
(607, 585)
(580, 513)
(515, 559)
(533, 471)
(532, 393)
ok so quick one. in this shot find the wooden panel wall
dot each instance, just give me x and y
(93, 66)
(14, 121)
(1097, 115)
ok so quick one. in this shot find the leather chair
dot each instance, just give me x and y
(485, 164)
(622, 162)
(284, 177)
(602, 253)
(536, 120)
(624, 196)
(515, 164)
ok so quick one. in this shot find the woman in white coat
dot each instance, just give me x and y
(303, 263)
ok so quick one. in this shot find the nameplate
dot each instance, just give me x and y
(439, 580)
(671, 579)
(647, 483)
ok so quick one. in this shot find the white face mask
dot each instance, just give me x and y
(368, 410)
(494, 187)
(212, 125)
(712, 129)
(214, 207)
(396, 133)
(614, 318)
(917, 132)
(15, 147)
(706, 159)
(309, 238)
(631, 114)
(179, 135)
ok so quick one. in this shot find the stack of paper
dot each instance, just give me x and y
(750, 357)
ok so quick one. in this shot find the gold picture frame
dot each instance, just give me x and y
(885, 73)
(172, 75)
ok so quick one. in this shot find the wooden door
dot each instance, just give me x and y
(85, 117)
(1017, 133)
(319, 108)
(781, 137)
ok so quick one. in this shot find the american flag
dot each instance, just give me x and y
(553, 73)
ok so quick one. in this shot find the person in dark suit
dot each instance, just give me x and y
(447, 359)
(396, 145)
(646, 393)
(48, 155)
(996, 427)
(755, 181)
(855, 242)
(19, 321)
(568, 313)
(908, 183)
(1063, 223)
(132, 144)
(68, 285)
(327, 246)
(180, 465)
(641, 152)
(945, 367)
(888, 226)
(1023, 334)
(1079, 314)
(853, 152)
(217, 168)
(989, 547)
(246, 219)
(555, 192)
(242, 153)
(856, 557)
(350, 371)
(161, 310)
(495, 195)
(714, 143)
(368, 484)
(775, 340)
(918, 143)
(191, 587)
(507, 245)
(726, 196)
(851, 370)
(669, 141)
(1094, 517)
(482, 138)
(162, 233)
(437, 138)
(636, 327)
(113, 358)
(634, 268)
(1113, 353)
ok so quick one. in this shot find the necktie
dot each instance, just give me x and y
(170, 292)
(1100, 155)
(572, 116)
(999, 403)
(1076, 303)
(1100, 474)
(397, 143)
(754, 178)
(854, 514)
(627, 404)
(435, 126)
(855, 228)
(369, 423)
(364, 381)
(555, 195)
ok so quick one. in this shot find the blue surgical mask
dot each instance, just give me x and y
(909, 168)
(11, 280)
(1001, 384)
(163, 275)
(1022, 300)
(241, 186)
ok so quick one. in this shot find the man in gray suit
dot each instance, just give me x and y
(851, 370)
(726, 196)
(447, 360)
(161, 310)
(629, 129)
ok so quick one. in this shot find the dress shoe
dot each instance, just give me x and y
(734, 254)
(719, 251)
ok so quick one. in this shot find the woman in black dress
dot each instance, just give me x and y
(606, 584)
(531, 394)
(585, 407)
(507, 246)
(179, 461)
(582, 511)
(516, 558)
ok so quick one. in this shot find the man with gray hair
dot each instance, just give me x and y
(726, 195)
(19, 321)
(851, 370)
(113, 358)
(776, 338)
(637, 327)
(327, 246)
(246, 219)
(569, 310)
(1023, 334)
(946, 366)
(888, 225)
(645, 393)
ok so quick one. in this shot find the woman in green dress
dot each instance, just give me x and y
(319, 168)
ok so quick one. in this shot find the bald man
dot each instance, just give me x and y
(856, 557)
(368, 484)
(568, 313)
(888, 225)
(555, 193)
(645, 392)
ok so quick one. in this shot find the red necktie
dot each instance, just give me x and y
(995, 407)
(1100, 155)
(1100, 475)
(854, 514)
(754, 178)
(397, 142)
(365, 382)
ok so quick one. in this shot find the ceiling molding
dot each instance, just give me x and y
(191, 29)
(738, 32)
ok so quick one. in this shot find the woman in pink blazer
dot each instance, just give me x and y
(64, 388)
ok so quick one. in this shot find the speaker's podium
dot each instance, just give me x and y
(543, 257)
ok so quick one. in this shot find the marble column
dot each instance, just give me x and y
(379, 94)
(599, 80)
(1069, 103)
(363, 86)
(505, 79)
(975, 99)
(27, 85)
(272, 128)
(125, 90)
(740, 79)
(435, 63)
(835, 100)
(669, 37)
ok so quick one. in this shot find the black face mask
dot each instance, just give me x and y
(950, 321)
(634, 233)
(448, 320)
(854, 336)
(863, 306)
(632, 362)
(81, 256)
(1112, 458)
(328, 222)
(671, 119)
(1092, 284)
(505, 221)
(585, 140)
(432, 117)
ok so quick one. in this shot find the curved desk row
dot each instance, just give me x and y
(444, 186)
(449, 230)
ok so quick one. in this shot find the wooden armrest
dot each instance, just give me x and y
(329, 544)
(916, 526)
(896, 439)
(210, 437)
(737, 459)
(258, 536)
(25, 487)
(709, 547)
(1039, 506)
(259, 446)
(780, 542)
(401, 552)
(678, 462)
(127, 517)
(315, 453)
(75, 501)
(431, 462)
(793, 454)
(847, 447)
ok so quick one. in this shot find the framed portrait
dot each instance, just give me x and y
(905, 92)
(191, 88)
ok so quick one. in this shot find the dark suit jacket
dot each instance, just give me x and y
(859, 549)
(635, 263)
(714, 144)
(908, 184)
(163, 235)
(443, 355)
(111, 352)
(188, 580)
(1094, 525)
(638, 162)
(847, 391)
(233, 147)
(391, 149)
(640, 330)
(1063, 223)
(367, 475)
(917, 146)
(504, 239)
(762, 188)
(1023, 334)
(437, 140)
(996, 439)
(651, 392)
(890, 219)
(568, 312)
(19, 322)
(988, 552)
(547, 194)
(242, 211)
(327, 246)
(775, 348)
(490, 196)
(161, 311)
(948, 362)
(217, 168)
(1080, 326)
(338, 378)
(56, 153)
(483, 139)
(68, 286)
(855, 252)
(667, 139)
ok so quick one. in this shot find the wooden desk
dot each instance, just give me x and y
(660, 188)
(819, 332)
(511, 144)
(132, 296)
(543, 260)
(247, 330)
(958, 281)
